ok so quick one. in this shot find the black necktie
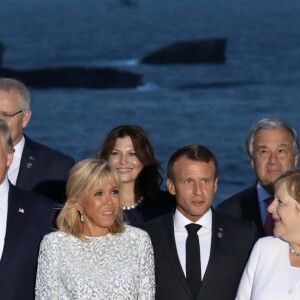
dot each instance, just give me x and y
(193, 263)
(269, 222)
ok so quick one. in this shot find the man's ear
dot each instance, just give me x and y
(171, 187)
(296, 161)
(26, 117)
(216, 185)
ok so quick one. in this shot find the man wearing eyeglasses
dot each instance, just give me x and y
(35, 167)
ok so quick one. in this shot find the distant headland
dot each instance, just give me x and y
(181, 52)
(75, 77)
(189, 52)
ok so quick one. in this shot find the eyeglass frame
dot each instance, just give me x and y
(7, 115)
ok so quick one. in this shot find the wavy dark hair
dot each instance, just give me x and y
(149, 180)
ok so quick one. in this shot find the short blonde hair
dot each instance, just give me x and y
(83, 177)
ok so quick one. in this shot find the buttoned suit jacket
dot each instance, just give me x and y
(29, 217)
(244, 205)
(231, 244)
(44, 170)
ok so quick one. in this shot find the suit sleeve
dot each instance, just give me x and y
(47, 281)
(146, 269)
(246, 284)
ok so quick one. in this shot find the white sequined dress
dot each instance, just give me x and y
(112, 267)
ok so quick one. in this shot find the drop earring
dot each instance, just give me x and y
(81, 216)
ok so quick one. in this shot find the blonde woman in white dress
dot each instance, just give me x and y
(94, 255)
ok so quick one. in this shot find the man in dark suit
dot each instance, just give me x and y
(36, 167)
(222, 243)
(273, 148)
(25, 218)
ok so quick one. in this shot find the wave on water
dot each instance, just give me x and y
(128, 63)
(147, 87)
(132, 62)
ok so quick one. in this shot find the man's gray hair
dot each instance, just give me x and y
(7, 84)
(270, 124)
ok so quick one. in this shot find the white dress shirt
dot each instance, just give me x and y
(4, 188)
(13, 170)
(204, 235)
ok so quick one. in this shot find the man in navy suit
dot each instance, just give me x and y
(25, 218)
(225, 242)
(36, 167)
(273, 148)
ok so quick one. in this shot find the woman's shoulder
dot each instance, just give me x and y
(54, 236)
(135, 232)
(138, 237)
(270, 242)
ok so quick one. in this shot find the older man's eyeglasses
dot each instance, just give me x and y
(7, 115)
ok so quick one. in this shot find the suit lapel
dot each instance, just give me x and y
(169, 245)
(218, 230)
(28, 160)
(16, 221)
(251, 210)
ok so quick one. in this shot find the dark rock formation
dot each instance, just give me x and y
(72, 77)
(189, 52)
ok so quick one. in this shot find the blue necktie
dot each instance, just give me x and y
(269, 222)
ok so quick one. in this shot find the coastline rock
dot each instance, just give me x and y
(189, 52)
(73, 77)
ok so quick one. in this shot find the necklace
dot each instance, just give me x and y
(133, 206)
(293, 251)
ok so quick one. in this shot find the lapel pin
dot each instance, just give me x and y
(21, 210)
(29, 165)
(220, 232)
(31, 157)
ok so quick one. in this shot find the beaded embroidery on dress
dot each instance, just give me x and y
(110, 267)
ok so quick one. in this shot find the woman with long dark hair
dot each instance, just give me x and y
(130, 150)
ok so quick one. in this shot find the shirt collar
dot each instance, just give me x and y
(19, 148)
(180, 221)
(262, 193)
(4, 188)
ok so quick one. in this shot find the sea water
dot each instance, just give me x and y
(212, 105)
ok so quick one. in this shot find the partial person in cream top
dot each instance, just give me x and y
(273, 270)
